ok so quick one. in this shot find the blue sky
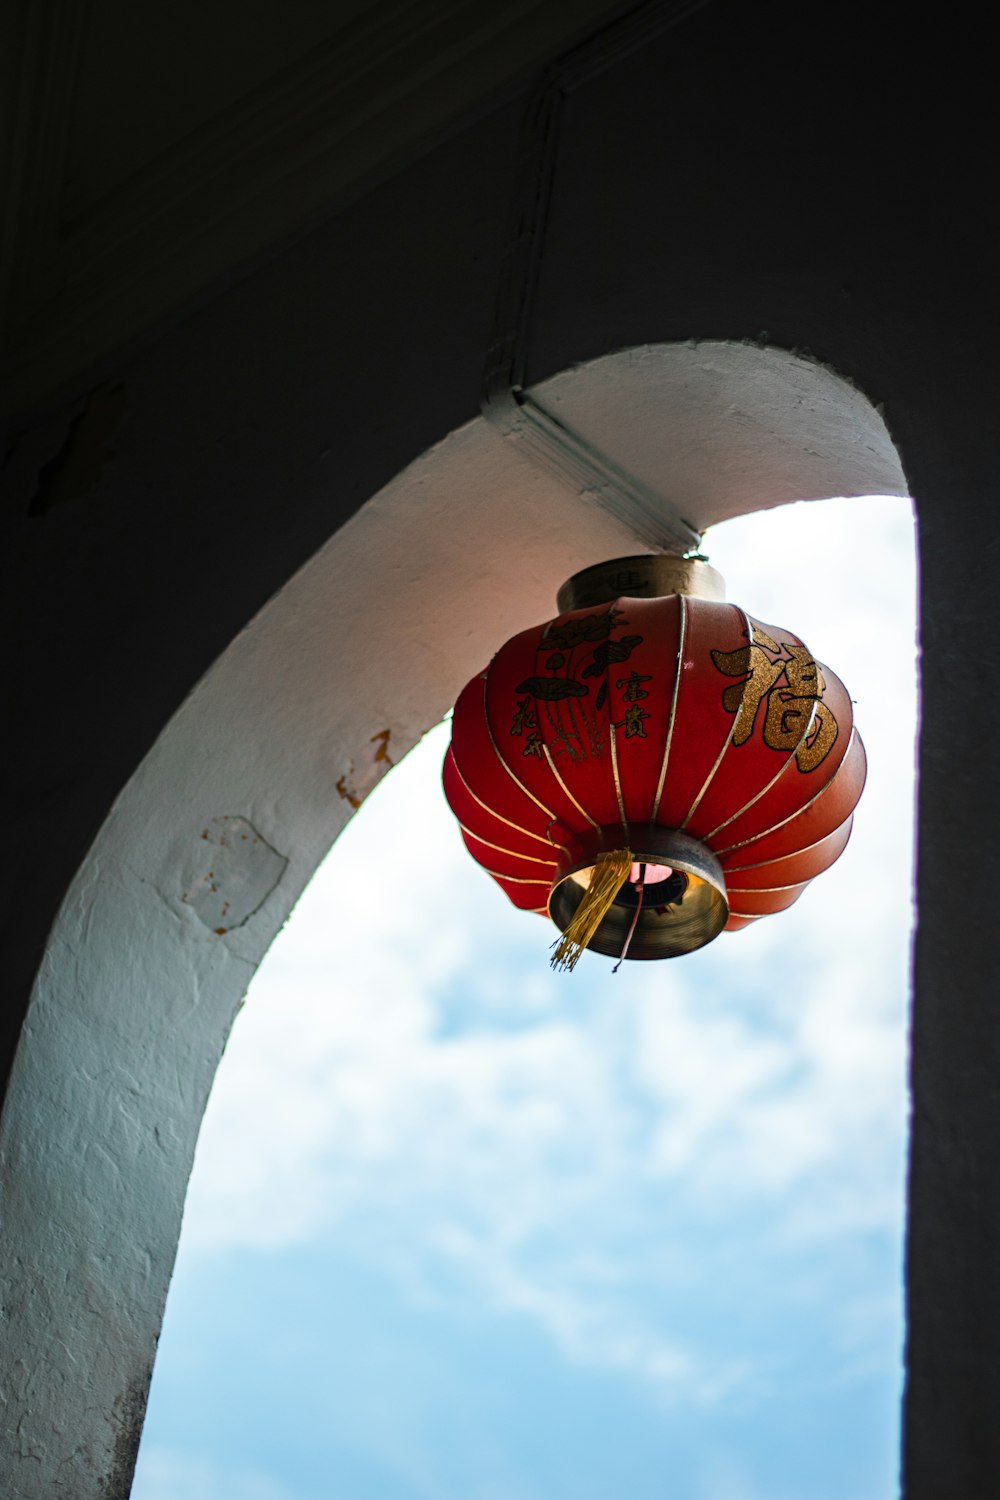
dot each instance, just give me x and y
(464, 1229)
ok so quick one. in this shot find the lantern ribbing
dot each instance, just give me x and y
(675, 729)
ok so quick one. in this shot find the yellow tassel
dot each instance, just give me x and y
(610, 873)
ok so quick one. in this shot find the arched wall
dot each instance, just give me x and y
(761, 174)
(220, 828)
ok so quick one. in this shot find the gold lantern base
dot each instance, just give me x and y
(672, 902)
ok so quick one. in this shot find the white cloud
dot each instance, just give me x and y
(589, 1327)
(340, 1096)
(757, 1098)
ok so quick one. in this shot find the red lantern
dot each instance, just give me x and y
(653, 765)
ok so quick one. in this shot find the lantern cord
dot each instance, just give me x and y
(639, 888)
(610, 873)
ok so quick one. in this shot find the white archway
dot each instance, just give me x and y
(223, 824)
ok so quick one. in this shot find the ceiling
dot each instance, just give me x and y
(148, 151)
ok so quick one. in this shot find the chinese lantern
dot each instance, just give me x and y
(653, 765)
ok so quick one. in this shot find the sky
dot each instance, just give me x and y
(462, 1228)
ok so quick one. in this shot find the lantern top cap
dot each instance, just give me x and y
(647, 576)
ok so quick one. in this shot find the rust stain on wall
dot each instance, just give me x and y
(382, 740)
(227, 882)
(347, 794)
(346, 785)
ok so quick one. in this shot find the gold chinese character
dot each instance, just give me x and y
(819, 741)
(634, 715)
(803, 673)
(633, 686)
(743, 699)
(524, 717)
(786, 721)
(534, 746)
(789, 678)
